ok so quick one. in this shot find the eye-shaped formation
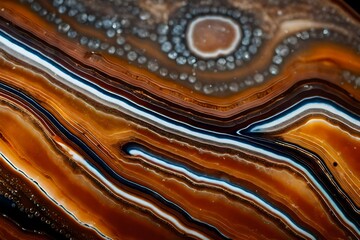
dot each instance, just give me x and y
(206, 38)
(206, 47)
(167, 119)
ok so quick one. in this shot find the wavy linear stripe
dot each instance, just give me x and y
(109, 170)
(286, 146)
(131, 198)
(10, 164)
(199, 178)
(161, 121)
(302, 110)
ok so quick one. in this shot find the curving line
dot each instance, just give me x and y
(131, 198)
(283, 120)
(8, 162)
(159, 120)
(136, 151)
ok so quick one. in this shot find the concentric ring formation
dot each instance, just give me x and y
(126, 28)
(177, 41)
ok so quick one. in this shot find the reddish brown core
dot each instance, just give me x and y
(212, 35)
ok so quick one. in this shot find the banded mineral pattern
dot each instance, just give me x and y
(167, 119)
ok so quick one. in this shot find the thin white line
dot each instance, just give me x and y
(11, 164)
(305, 110)
(130, 197)
(11, 47)
(135, 152)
